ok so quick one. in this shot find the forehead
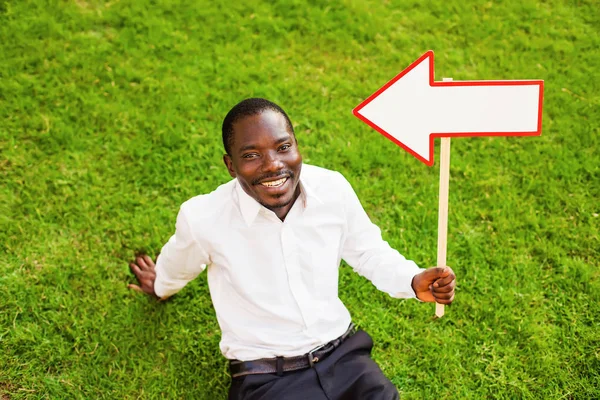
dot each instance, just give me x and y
(268, 125)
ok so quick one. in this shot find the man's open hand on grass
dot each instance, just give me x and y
(435, 284)
(143, 269)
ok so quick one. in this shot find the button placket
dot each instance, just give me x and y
(294, 272)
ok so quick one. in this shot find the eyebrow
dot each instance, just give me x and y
(253, 146)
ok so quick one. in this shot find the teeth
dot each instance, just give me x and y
(276, 183)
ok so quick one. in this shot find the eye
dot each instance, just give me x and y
(285, 147)
(250, 156)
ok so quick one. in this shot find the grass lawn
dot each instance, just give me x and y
(110, 116)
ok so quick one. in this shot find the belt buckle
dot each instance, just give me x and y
(312, 359)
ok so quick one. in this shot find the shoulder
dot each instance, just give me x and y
(323, 180)
(210, 205)
(318, 175)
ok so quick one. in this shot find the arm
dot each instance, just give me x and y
(372, 257)
(180, 261)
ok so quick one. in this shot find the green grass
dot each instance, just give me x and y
(110, 118)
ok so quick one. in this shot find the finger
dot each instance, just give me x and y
(437, 285)
(432, 274)
(445, 281)
(148, 260)
(443, 295)
(135, 269)
(135, 287)
(144, 277)
(444, 289)
(445, 300)
(141, 262)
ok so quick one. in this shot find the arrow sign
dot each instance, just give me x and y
(412, 109)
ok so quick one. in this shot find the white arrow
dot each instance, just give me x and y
(412, 109)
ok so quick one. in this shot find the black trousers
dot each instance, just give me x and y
(348, 373)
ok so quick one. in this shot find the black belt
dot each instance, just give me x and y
(279, 365)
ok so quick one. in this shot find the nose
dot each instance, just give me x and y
(272, 162)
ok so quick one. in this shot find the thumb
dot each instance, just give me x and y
(135, 287)
(434, 273)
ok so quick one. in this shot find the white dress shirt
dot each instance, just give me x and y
(274, 284)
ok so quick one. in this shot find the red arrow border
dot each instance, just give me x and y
(433, 135)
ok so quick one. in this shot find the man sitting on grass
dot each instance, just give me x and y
(272, 240)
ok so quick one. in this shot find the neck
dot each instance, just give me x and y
(282, 212)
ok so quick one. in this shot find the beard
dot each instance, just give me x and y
(282, 203)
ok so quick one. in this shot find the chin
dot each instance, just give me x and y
(275, 202)
(279, 203)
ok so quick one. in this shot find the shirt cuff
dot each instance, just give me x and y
(406, 290)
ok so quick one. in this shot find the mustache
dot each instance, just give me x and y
(279, 174)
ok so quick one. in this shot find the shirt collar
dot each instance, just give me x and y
(308, 194)
(250, 207)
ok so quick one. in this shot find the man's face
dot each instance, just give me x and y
(266, 161)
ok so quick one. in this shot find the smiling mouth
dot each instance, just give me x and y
(277, 183)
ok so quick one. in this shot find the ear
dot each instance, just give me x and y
(229, 164)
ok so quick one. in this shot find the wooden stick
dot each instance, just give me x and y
(443, 209)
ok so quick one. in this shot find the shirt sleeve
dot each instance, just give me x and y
(372, 257)
(180, 260)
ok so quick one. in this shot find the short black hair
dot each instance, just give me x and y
(246, 108)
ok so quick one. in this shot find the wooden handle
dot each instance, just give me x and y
(443, 209)
(443, 212)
